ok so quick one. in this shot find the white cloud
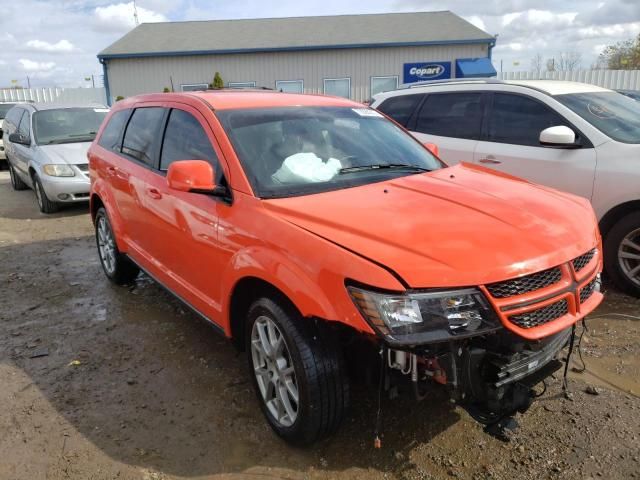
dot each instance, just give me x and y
(62, 46)
(33, 66)
(476, 21)
(119, 17)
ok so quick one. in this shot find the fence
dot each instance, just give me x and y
(614, 79)
(54, 95)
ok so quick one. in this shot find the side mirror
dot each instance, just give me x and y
(191, 176)
(19, 139)
(560, 136)
(432, 147)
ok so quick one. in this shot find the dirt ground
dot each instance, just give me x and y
(106, 382)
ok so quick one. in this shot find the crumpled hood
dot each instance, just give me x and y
(71, 153)
(459, 226)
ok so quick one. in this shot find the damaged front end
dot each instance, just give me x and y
(457, 338)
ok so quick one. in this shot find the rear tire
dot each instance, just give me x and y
(45, 205)
(16, 182)
(622, 254)
(318, 378)
(116, 266)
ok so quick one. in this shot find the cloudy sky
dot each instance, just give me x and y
(55, 42)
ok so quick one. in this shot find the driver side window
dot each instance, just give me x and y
(185, 139)
(25, 125)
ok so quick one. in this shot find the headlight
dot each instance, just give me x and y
(436, 316)
(58, 170)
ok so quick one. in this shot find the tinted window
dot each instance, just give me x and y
(110, 137)
(144, 127)
(519, 120)
(451, 115)
(400, 108)
(185, 139)
(25, 125)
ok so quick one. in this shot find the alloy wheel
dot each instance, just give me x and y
(106, 246)
(629, 256)
(38, 190)
(274, 371)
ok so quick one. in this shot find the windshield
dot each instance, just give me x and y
(4, 108)
(613, 114)
(67, 125)
(302, 150)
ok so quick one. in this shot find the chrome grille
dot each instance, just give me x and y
(588, 290)
(541, 315)
(583, 260)
(526, 284)
(83, 167)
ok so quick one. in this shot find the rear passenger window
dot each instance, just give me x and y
(143, 129)
(518, 120)
(456, 115)
(25, 125)
(111, 135)
(401, 107)
(185, 139)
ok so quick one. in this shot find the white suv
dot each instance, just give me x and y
(571, 136)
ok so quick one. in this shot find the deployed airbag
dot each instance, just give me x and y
(306, 167)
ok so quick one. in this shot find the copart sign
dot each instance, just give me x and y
(420, 72)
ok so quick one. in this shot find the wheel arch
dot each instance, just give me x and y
(245, 292)
(616, 213)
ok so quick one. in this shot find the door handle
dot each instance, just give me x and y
(154, 193)
(490, 159)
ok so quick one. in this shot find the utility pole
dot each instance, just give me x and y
(93, 81)
(135, 13)
(28, 82)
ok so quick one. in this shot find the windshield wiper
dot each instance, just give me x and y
(381, 166)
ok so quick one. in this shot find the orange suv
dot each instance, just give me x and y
(325, 241)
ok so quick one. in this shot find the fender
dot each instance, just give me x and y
(311, 298)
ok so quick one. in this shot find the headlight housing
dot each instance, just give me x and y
(430, 316)
(58, 170)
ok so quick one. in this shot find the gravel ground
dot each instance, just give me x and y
(105, 382)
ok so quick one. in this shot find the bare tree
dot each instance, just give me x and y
(537, 63)
(569, 61)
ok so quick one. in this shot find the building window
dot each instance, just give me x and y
(241, 84)
(339, 87)
(290, 86)
(194, 87)
(383, 84)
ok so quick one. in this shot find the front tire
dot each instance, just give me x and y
(16, 182)
(116, 266)
(622, 254)
(297, 371)
(45, 205)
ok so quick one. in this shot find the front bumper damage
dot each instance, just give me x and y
(491, 376)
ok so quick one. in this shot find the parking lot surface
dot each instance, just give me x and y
(104, 382)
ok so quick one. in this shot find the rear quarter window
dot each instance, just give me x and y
(400, 107)
(112, 133)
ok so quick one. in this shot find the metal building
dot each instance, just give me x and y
(353, 56)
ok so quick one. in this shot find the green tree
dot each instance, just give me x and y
(217, 81)
(622, 56)
(119, 97)
(165, 90)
